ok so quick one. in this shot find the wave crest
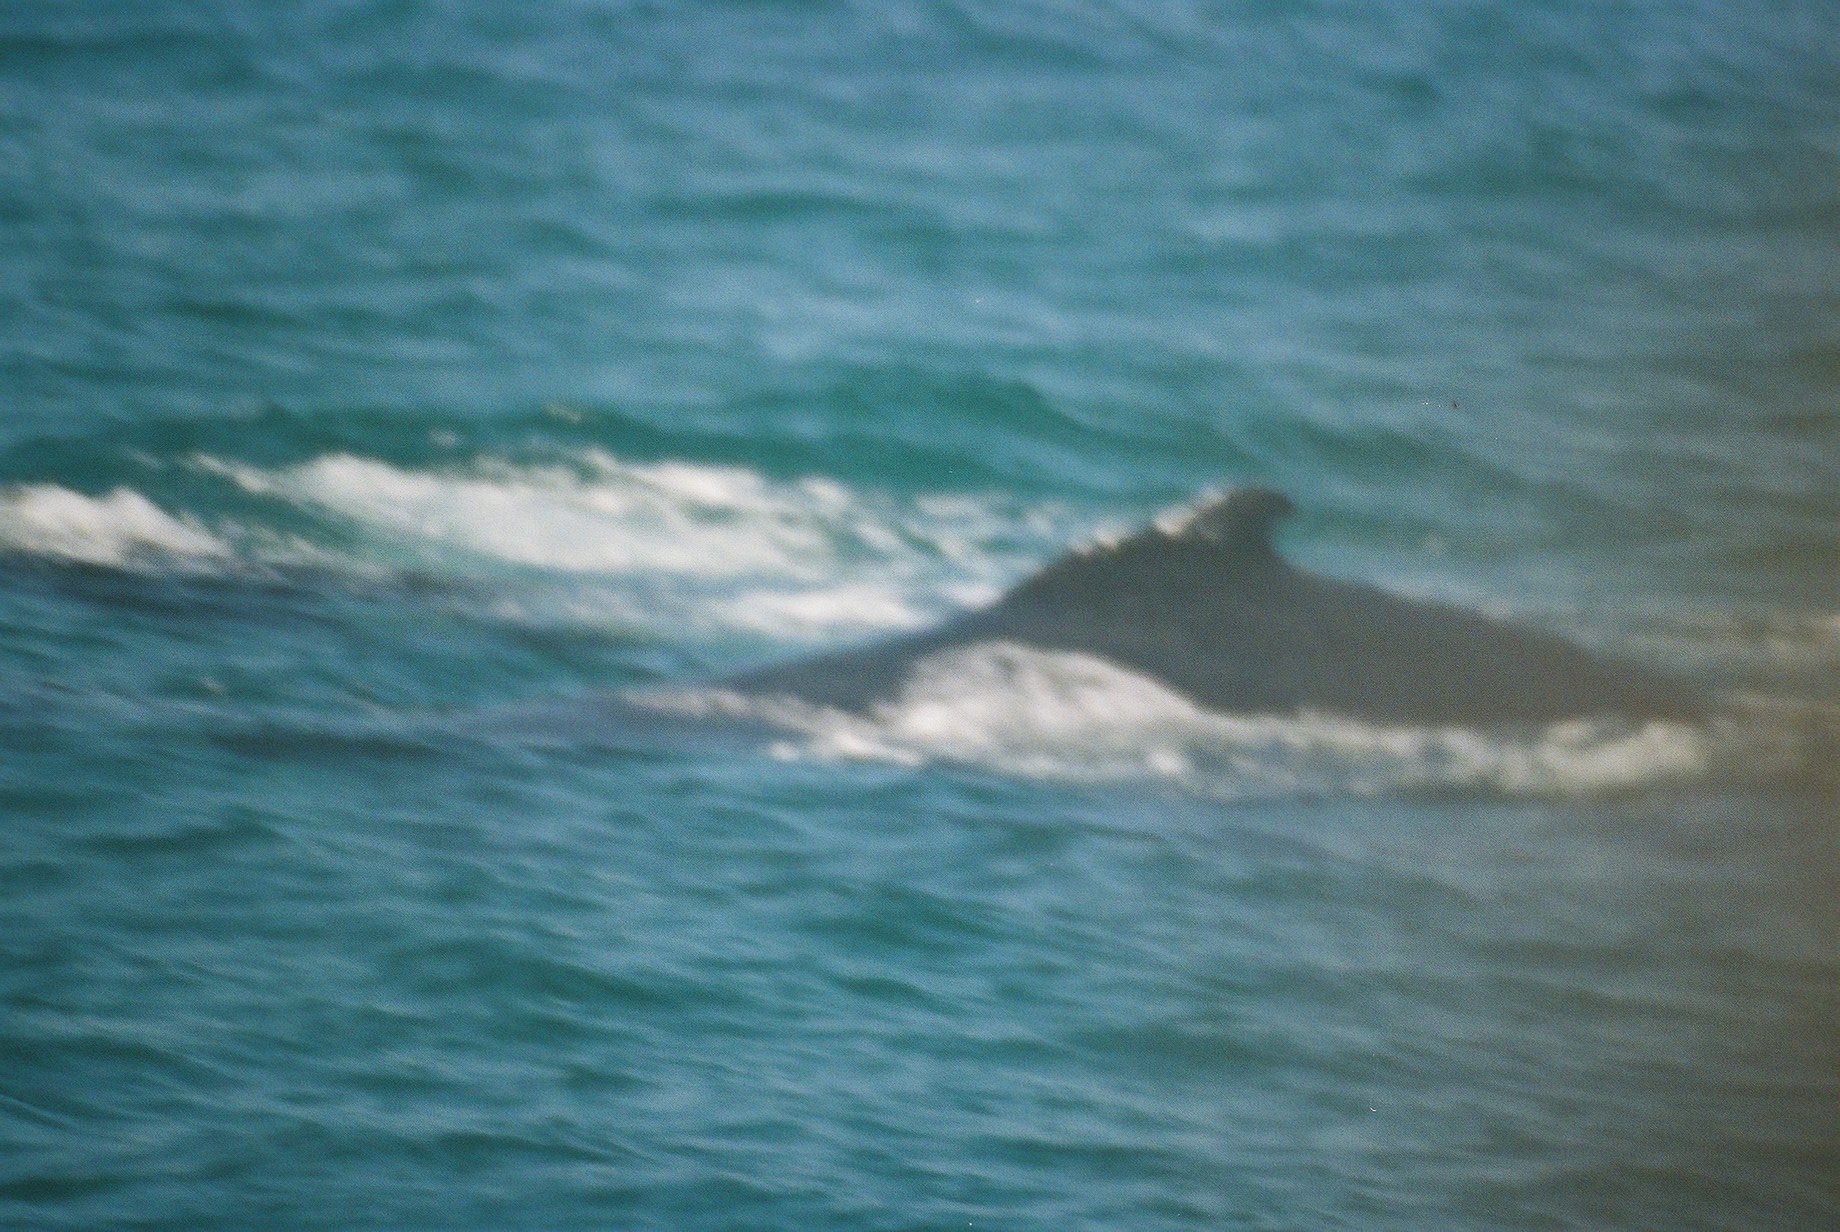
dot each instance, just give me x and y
(672, 545)
(1077, 718)
(117, 529)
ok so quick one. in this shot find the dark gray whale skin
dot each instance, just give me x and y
(1209, 608)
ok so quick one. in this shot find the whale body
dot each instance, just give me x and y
(1206, 605)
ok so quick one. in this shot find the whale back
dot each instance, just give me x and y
(1202, 601)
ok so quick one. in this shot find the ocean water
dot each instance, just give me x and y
(386, 385)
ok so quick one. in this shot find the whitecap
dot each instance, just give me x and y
(674, 546)
(1078, 718)
(119, 528)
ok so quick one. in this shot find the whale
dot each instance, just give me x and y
(1203, 602)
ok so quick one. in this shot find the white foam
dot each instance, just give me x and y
(1073, 717)
(549, 517)
(676, 545)
(120, 528)
(1180, 519)
(1785, 645)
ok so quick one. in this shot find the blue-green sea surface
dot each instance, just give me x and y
(385, 385)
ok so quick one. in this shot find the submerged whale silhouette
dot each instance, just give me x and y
(1205, 604)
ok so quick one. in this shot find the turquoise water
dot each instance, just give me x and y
(384, 384)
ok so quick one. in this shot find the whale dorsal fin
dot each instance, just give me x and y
(1236, 518)
(1183, 549)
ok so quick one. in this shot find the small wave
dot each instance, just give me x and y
(1792, 648)
(618, 518)
(118, 529)
(673, 545)
(1077, 718)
